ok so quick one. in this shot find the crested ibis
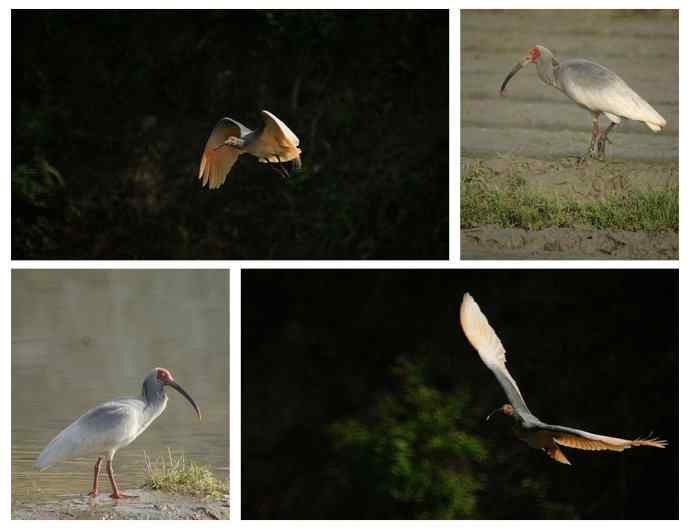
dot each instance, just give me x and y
(105, 429)
(527, 427)
(272, 142)
(594, 87)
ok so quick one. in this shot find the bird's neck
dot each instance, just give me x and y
(155, 398)
(547, 66)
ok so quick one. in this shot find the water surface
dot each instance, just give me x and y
(83, 337)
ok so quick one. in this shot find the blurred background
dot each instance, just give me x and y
(84, 337)
(536, 120)
(361, 397)
(111, 111)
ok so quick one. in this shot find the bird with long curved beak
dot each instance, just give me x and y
(105, 429)
(593, 87)
(273, 143)
(527, 427)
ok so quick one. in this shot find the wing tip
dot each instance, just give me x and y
(650, 441)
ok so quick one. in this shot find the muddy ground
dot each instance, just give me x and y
(568, 177)
(492, 242)
(149, 505)
(540, 127)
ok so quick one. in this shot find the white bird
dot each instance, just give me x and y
(594, 87)
(273, 142)
(527, 427)
(108, 427)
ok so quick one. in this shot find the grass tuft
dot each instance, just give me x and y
(178, 476)
(516, 207)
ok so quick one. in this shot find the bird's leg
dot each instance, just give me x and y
(117, 494)
(601, 144)
(592, 153)
(280, 169)
(594, 146)
(273, 168)
(96, 470)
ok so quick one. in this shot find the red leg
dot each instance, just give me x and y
(116, 492)
(280, 169)
(96, 470)
(601, 144)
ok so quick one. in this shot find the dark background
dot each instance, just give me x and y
(111, 111)
(361, 397)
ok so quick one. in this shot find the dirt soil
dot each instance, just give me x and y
(492, 242)
(538, 132)
(149, 505)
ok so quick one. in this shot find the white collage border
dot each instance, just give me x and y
(235, 266)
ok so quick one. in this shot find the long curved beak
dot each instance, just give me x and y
(186, 395)
(491, 414)
(524, 62)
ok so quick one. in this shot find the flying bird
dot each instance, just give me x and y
(593, 87)
(108, 427)
(273, 142)
(527, 427)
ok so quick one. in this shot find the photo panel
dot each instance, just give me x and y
(569, 134)
(105, 358)
(364, 396)
(230, 134)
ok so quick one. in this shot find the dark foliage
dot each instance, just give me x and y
(111, 110)
(361, 397)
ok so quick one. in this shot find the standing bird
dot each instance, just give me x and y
(594, 87)
(527, 427)
(105, 429)
(273, 142)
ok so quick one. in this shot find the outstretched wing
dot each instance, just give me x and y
(484, 339)
(582, 440)
(277, 140)
(217, 158)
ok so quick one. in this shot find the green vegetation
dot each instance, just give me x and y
(178, 476)
(414, 449)
(508, 201)
(375, 407)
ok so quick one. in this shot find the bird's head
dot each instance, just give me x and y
(532, 55)
(536, 55)
(163, 375)
(506, 409)
(164, 378)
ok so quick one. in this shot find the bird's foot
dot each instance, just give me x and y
(93, 493)
(601, 146)
(584, 159)
(280, 170)
(117, 495)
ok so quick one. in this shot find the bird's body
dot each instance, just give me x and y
(273, 142)
(593, 87)
(527, 427)
(103, 430)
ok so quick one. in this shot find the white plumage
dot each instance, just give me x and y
(529, 428)
(103, 430)
(593, 87)
(273, 142)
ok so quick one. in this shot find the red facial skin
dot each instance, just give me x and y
(164, 375)
(534, 54)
